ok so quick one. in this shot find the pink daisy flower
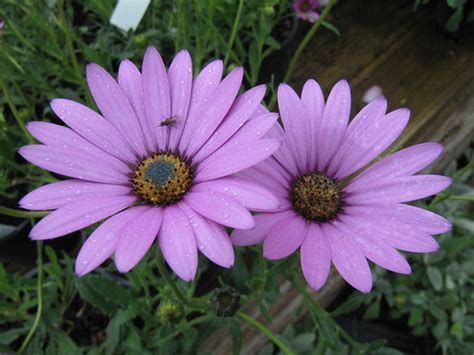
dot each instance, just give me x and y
(306, 9)
(330, 211)
(156, 164)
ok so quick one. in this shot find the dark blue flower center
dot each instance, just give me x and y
(160, 172)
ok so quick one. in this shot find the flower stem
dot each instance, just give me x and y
(195, 321)
(318, 311)
(169, 280)
(308, 38)
(22, 214)
(39, 290)
(15, 113)
(266, 331)
(234, 31)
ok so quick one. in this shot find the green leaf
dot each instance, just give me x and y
(331, 28)
(351, 304)
(6, 230)
(235, 332)
(373, 311)
(103, 293)
(416, 317)
(457, 329)
(435, 277)
(9, 336)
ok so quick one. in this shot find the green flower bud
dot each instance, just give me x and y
(170, 313)
(225, 301)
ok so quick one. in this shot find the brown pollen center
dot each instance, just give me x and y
(162, 179)
(316, 197)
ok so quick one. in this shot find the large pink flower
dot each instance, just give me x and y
(158, 162)
(328, 211)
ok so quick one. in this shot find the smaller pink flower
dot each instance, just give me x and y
(372, 93)
(306, 9)
(1, 24)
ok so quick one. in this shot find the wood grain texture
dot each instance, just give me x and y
(387, 44)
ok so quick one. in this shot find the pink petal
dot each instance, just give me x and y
(368, 118)
(74, 164)
(403, 163)
(220, 208)
(247, 193)
(260, 177)
(395, 233)
(274, 172)
(373, 141)
(232, 160)
(70, 142)
(334, 122)
(212, 114)
(102, 242)
(284, 238)
(137, 237)
(157, 99)
(240, 111)
(263, 223)
(63, 193)
(178, 244)
(180, 76)
(212, 239)
(81, 214)
(348, 259)
(94, 128)
(313, 101)
(315, 257)
(297, 125)
(251, 131)
(400, 189)
(372, 93)
(203, 89)
(376, 250)
(283, 154)
(115, 107)
(130, 80)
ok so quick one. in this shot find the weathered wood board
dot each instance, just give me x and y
(387, 44)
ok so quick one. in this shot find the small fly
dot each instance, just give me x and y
(169, 122)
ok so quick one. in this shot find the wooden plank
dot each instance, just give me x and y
(382, 43)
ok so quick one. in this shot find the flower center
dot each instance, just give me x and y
(316, 197)
(162, 179)
(305, 6)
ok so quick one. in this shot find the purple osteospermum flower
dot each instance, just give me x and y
(306, 9)
(158, 163)
(325, 211)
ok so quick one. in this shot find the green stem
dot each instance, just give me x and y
(461, 197)
(319, 312)
(266, 331)
(39, 290)
(15, 113)
(308, 38)
(194, 322)
(234, 31)
(22, 214)
(169, 280)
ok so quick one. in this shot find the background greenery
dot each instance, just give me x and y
(44, 48)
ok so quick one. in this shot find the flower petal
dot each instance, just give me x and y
(232, 160)
(375, 249)
(247, 193)
(283, 154)
(178, 244)
(406, 162)
(63, 193)
(373, 141)
(313, 101)
(334, 122)
(240, 111)
(220, 208)
(83, 213)
(263, 223)
(137, 237)
(284, 238)
(212, 114)
(102, 242)
(74, 164)
(130, 80)
(93, 127)
(400, 189)
(115, 107)
(180, 76)
(348, 259)
(69, 141)
(370, 117)
(212, 239)
(315, 257)
(203, 88)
